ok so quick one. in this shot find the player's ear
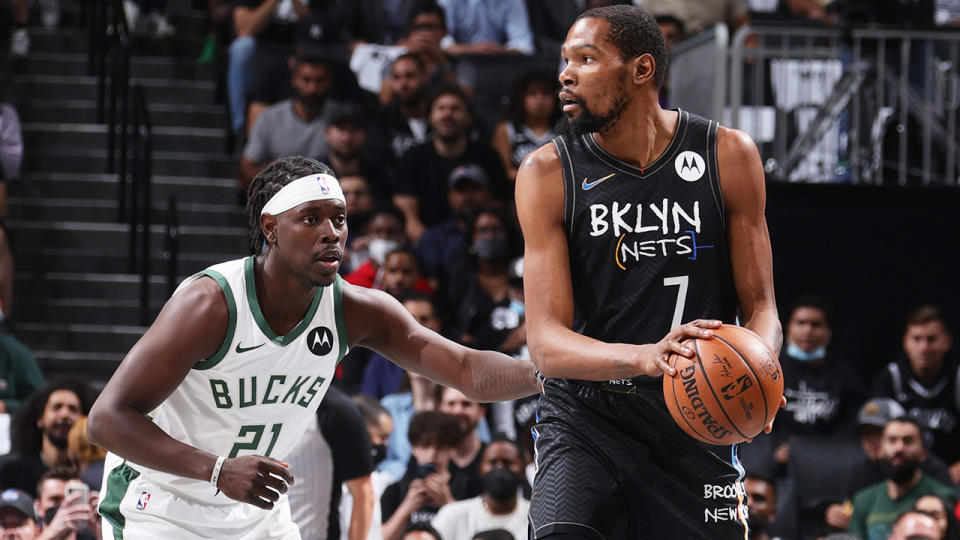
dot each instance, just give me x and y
(268, 224)
(643, 69)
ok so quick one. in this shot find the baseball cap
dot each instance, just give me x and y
(342, 111)
(18, 500)
(879, 411)
(471, 172)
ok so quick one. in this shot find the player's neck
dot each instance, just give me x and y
(283, 298)
(642, 135)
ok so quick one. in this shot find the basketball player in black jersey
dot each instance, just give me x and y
(636, 220)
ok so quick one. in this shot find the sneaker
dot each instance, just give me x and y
(19, 43)
(50, 13)
(160, 25)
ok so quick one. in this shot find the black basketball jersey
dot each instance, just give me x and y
(648, 247)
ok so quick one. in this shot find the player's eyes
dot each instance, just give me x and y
(309, 220)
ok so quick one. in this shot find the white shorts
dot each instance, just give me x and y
(134, 508)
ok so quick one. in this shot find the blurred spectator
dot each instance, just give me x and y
(487, 27)
(11, 150)
(360, 201)
(913, 525)
(20, 375)
(382, 377)
(940, 511)
(148, 17)
(66, 516)
(383, 235)
(402, 123)
(379, 426)
(424, 487)
(423, 174)
(761, 494)
(671, 27)
(485, 311)
(333, 453)
(425, 33)
(421, 396)
(19, 37)
(18, 519)
(498, 507)
(823, 393)
(401, 274)
(528, 123)
(442, 245)
(346, 137)
(421, 531)
(698, 16)
(924, 381)
(220, 17)
(465, 460)
(549, 22)
(39, 432)
(294, 126)
(790, 10)
(876, 507)
(872, 418)
(87, 458)
(11, 156)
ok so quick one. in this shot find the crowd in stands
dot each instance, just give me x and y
(372, 88)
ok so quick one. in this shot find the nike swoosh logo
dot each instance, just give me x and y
(590, 185)
(241, 350)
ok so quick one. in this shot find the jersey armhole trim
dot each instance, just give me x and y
(231, 326)
(569, 184)
(118, 482)
(341, 321)
(713, 135)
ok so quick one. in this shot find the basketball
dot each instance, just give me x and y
(728, 391)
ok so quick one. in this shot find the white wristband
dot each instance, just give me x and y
(215, 475)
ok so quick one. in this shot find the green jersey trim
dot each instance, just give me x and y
(118, 481)
(341, 322)
(231, 325)
(262, 321)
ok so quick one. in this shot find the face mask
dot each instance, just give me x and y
(805, 356)
(380, 247)
(490, 248)
(501, 484)
(378, 452)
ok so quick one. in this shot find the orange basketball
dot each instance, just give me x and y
(728, 391)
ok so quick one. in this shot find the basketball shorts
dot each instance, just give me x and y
(612, 464)
(135, 508)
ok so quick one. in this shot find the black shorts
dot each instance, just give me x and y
(613, 464)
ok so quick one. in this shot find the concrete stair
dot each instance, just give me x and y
(76, 302)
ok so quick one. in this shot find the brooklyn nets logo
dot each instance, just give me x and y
(320, 340)
(690, 166)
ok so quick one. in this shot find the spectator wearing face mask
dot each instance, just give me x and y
(500, 506)
(382, 236)
(379, 427)
(823, 392)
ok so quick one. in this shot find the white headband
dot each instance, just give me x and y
(315, 187)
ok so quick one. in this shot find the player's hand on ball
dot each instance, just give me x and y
(672, 343)
(257, 480)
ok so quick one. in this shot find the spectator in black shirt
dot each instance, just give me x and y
(425, 486)
(822, 391)
(924, 381)
(346, 136)
(39, 432)
(424, 172)
(402, 123)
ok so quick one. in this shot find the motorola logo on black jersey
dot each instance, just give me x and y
(690, 166)
(320, 341)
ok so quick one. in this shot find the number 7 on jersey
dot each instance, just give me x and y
(682, 282)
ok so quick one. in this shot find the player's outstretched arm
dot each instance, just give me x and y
(556, 349)
(377, 321)
(191, 327)
(744, 195)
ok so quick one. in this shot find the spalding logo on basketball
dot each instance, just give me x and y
(728, 391)
(690, 166)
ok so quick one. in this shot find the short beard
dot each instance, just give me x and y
(59, 442)
(588, 122)
(899, 475)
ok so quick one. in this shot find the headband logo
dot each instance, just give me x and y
(323, 185)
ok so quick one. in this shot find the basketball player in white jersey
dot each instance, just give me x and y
(205, 406)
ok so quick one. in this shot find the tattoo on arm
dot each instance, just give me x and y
(497, 379)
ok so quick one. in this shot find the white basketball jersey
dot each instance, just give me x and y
(259, 392)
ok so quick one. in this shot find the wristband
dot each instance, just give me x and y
(215, 475)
